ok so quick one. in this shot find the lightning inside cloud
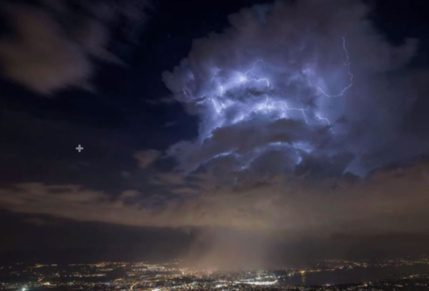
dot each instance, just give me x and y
(289, 87)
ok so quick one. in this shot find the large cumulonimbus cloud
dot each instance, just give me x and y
(306, 87)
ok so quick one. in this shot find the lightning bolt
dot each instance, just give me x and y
(232, 97)
(347, 64)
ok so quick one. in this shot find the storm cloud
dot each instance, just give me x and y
(298, 88)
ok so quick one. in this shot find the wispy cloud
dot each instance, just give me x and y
(52, 47)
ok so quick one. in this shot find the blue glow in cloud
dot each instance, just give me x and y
(291, 88)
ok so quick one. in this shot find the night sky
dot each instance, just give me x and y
(214, 125)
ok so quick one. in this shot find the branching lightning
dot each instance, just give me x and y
(239, 95)
(347, 64)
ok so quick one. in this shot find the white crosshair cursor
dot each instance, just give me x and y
(79, 148)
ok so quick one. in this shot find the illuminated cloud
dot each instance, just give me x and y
(302, 88)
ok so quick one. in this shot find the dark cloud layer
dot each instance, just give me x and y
(304, 87)
(383, 203)
(53, 45)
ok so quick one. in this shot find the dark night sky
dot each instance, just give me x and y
(165, 97)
